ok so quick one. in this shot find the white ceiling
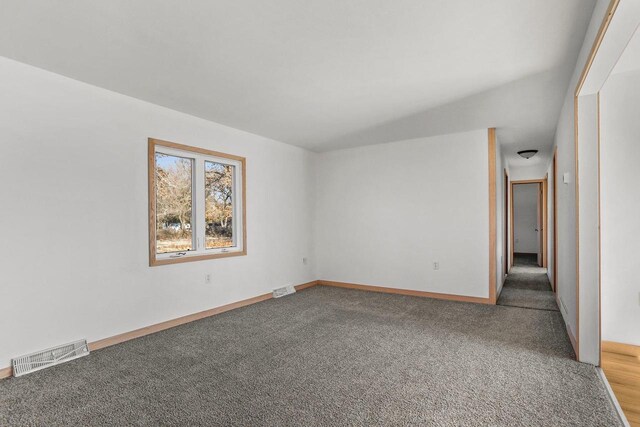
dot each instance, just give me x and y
(321, 74)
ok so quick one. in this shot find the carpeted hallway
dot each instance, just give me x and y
(328, 356)
(528, 286)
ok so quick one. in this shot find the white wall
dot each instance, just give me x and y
(567, 236)
(74, 258)
(589, 236)
(550, 225)
(586, 331)
(566, 286)
(620, 208)
(387, 212)
(525, 218)
(63, 140)
(522, 173)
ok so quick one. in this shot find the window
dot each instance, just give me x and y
(196, 204)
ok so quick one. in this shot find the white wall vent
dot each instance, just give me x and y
(287, 290)
(49, 357)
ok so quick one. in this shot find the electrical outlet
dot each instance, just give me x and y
(207, 279)
(436, 265)
(305, 261)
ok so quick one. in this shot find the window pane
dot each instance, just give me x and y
(218, 204)
(174, 184)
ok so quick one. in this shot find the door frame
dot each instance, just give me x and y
(543, 186)
(554, 171)
(507, 199)
(602, 31)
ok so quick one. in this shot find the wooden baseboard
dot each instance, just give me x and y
(621, 365)
(137, 333)
(371, 288)
(120, 338)
(6, 372)
(306, 285)
(117, 339)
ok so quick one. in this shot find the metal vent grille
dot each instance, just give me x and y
(50, 357)
(280, 292)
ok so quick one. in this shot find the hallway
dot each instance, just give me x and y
(527, 286)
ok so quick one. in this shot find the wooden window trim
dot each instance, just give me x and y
(153, 260)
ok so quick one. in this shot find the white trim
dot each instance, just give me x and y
(198, 206)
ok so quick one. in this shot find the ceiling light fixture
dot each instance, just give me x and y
(527, 154)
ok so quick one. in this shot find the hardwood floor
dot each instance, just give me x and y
(621, 365)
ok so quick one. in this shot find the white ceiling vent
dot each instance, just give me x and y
(49, 357)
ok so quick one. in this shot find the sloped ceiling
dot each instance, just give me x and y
(319, 74)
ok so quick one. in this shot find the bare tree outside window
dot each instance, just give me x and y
(218, 205)
(174, 186)
(196, 204)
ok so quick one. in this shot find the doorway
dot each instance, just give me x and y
(529, 221)
(617, 129)
(527, 284)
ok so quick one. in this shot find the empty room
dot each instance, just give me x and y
(319, 213)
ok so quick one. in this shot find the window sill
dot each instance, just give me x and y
(154, 262)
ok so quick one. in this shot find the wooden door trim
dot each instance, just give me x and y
(541, 183)
(555, 219)
(507, 199)
(545, 221)
(492, 216)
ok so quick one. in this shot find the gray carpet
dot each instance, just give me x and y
(327, 357)
(528, 286)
